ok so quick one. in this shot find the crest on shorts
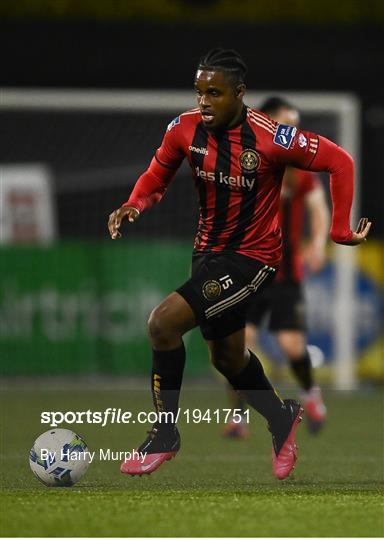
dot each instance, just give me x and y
(211, 289)
(249, 160)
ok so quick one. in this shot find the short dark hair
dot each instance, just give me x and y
(273, 104)
(227, 60)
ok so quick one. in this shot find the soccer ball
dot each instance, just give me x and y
(59, 457)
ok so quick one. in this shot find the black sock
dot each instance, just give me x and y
(167, 376)
(238, 402)
(302, 370)
(254, 386)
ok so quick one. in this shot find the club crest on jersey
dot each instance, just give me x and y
(249, 160)
(284, 135)
(174, 123)
(211, 289)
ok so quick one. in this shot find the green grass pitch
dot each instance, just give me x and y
(214, 487)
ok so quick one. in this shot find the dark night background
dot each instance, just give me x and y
(284, 55)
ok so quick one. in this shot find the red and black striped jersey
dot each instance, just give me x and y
(297, 185)
(238, 175)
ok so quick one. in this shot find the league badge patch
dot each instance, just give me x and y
(284, 135)
(174, 123)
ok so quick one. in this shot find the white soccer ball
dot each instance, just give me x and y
(59, 457)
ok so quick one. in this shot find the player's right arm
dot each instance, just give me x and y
(153, 183)
(316, 153)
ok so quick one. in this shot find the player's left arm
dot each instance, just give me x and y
(319, 220)
(335, 160)
(153, 183)
(316, 153)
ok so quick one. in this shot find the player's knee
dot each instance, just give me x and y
(161, 331)
(156, 325)
(294, 350)
(293, 345)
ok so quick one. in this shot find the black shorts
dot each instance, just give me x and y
(283, 302)
(220, 288)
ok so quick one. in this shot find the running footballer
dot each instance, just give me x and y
(237, 157)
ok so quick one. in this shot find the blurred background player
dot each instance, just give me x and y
(283, 300)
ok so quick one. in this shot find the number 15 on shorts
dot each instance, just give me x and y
(226, 281)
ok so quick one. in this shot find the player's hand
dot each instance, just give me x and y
(361, 233)
(115, 219)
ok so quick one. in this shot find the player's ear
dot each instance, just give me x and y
(240, 90)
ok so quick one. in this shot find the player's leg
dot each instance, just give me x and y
(288, 322)
(166, 326)
(245, 373)
(220, 297)
(258, 306)
(235, 429)
(206, 291)
(237, 426)
(294, 345)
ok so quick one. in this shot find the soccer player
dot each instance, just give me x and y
(283, 300)
(237, 157)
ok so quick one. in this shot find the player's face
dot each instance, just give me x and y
(220, 102)
(286, 116)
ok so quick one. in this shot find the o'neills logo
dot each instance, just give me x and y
(236, 182)
(198, 150)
